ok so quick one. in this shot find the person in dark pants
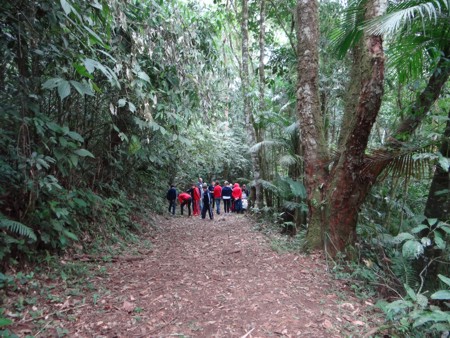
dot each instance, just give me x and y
(226, 196)
(172, 198)
(211, 192)
(184, 198)
(207, 205)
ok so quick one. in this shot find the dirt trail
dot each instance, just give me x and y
(217, 279)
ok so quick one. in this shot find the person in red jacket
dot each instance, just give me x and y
(184, 199)
(217, 196)
(196, 195)
(237, 198)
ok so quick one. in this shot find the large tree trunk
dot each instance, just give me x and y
(334, 198)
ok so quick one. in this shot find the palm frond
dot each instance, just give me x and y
(17, 228)
(266, 143)
(292, 128)
(290, 205)
(407, 13)
(268, 185)
(351, 30)
(288, 160)
(408, 163)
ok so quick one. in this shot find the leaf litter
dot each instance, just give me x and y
(206, 278)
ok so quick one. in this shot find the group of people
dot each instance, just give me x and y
(204, 199)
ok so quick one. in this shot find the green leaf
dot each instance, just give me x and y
(422, 300)
(66, 7)
(84, 153)
(410, 292)
(52, 83)
(398, 305)
(75, 136)
(401, 237)
(143, 76)
(5, 322)
(131, 106)
(63, 89)
(419, 228)
(70, 235)
(445, 227)
(74, 159)
(446, 280)
(298, 189)
(80, 203)
(434, 316)
(93, 34)
(444, 163)
(81, 88)
(121, 102)
(440, 242)
(96, 4)
(441, 295)
(81, 69)
(412, 249)
(432, 221)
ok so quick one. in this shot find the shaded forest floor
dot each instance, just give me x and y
(200, 278)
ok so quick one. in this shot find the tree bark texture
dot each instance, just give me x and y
(334, 197)
(308, 110)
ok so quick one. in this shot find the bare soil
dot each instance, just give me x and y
(201, 278)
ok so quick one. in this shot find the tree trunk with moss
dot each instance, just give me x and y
(336, 191)
(308, 109)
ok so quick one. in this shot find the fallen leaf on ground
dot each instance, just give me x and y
(127, 306)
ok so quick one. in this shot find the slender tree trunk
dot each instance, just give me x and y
(308, 110)
(262, 80)
(438, 203)
(247, 104)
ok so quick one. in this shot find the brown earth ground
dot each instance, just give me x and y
(201, 278)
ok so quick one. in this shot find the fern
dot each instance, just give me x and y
(404, 270)
(17, 228)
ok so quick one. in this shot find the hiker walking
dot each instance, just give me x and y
(207, 204)
(217, 196)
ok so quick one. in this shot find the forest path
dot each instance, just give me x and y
(217, 278)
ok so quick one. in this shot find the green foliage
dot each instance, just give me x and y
(17, 228)
(418, 314)
(4, 322)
